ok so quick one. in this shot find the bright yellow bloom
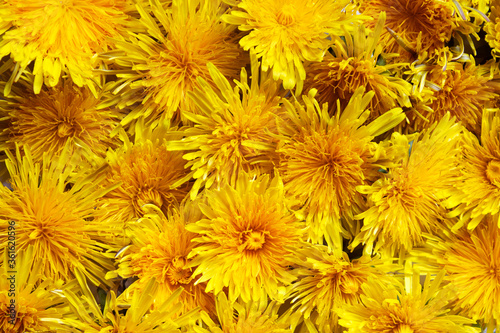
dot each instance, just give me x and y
(148, 173)
(327, 282)
(59, 116)
(159, 250)
(398, 309)
(138, 317)
(242, 242)
(462, 90)
(285, 33)
(161, 67)
(471, 261)
(60, 37)
(34, 300)
(419, 28)
(477, 189)
(233, 128)
(324, 158)
(408, 200)
(55, 212)
(354, 62)
(251, 317)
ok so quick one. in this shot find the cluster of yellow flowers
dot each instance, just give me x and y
(250, 166)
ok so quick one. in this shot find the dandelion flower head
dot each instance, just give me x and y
(287, 33)
(327, 282)
(55, 117)
(462, 90)
(60, 37)
(241, 242)
(147, 173)
(55, 212)
(408, 200)
(233, 128)
(159, 250)
(162, 66)
(323, 158)
(354, 62)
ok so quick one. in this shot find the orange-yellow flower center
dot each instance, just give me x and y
(177, 274)
(285, 16)
(404, 329)
(251, 240)
(493, 172)
(403, 192)
(173, 64)
(39, 232)
(348, 285)
(349, 74)
(65, 128)
(495, 272)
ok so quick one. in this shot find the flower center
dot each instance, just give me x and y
(177, 274)
(348, 285)
(64, 129)
(493, 172)
(37, 233)
(349, 74)
(285, 16)
(251, 240)
(43, 230)
(148, 196)
(404, 329)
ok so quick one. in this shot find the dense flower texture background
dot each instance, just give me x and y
(250, 166)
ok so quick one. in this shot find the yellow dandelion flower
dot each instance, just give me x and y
(323, 158)
(354, 62)
(60, 37)
(233, 128)
(419, 28)
(326, 282)
(405, 309)
(287, 33)
(242, 241)
(462, 90)
(90, 318)
(477, 189)
(148, 173)
(159, 250)
(54, 210)
(249, 317)
(408, 200)
(471, 261)
(56, 117)
(161, 67)
(27, 303)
